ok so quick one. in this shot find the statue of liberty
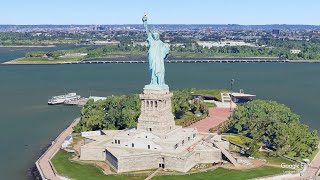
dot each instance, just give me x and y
(158, 51)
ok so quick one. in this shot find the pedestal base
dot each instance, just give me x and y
(156, 112)
(156, 87)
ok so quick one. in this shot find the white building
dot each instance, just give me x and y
(295, 51)
(67, 142)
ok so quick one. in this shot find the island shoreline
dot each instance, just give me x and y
(43, 164)
(184, 60)
(30, 46)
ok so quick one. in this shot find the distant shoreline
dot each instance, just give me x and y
(16, 62)
(31, 46)
(182, 60)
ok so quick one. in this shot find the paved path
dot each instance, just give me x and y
(216, 116)
(153, 174)
(313, 168)
(43, 164)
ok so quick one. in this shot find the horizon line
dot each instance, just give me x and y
(228, 24)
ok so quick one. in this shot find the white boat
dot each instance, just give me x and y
(63, 98)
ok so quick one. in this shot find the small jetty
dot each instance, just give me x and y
(76, 102)
(241, 97)
(72, 99)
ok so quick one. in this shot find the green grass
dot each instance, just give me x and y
(209, 92)
(222, 174)
(239, 139)
(188, 115)
(210, 105)
(273, 159)
(78, 171)
(188, 118)
(48, 59)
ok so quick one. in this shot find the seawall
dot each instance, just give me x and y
(43, 164)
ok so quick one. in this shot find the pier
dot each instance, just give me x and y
(68, 99)
(76, 102)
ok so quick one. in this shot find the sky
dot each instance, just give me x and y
(246, 12)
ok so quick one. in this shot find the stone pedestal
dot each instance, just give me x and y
(156, 114)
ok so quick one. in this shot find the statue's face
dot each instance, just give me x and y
(155, 36)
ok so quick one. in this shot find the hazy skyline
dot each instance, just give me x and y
(245, 12)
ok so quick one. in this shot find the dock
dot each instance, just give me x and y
(76, 102)
(61, 99)
(72, 99)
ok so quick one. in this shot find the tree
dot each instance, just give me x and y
(268, 121)
(180, 102)
(116, 112)
(198, 106)
(121, 112)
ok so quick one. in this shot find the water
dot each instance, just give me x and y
(28, 124)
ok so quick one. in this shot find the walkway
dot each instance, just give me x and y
(153, 174)
(43, 164)
(216, 117)
(226, 153)
(314, 167)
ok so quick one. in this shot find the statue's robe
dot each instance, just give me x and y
(156, 54)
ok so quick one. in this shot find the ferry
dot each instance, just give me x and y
(63, 98)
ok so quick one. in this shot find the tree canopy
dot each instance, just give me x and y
(276, 126)
(116, 112)
(120, 112)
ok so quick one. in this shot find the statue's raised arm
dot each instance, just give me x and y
(145, 23)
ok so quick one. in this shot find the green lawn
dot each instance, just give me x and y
(273, 159)
(211, 105)
(223, 174)
(209, 92)
(239, 139)
(188, 118)
(188, 115)
(70, 59)
(77, 171)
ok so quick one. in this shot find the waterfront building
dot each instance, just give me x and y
(67, 142)
(295, 51)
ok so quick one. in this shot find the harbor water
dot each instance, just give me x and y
(28, 124)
